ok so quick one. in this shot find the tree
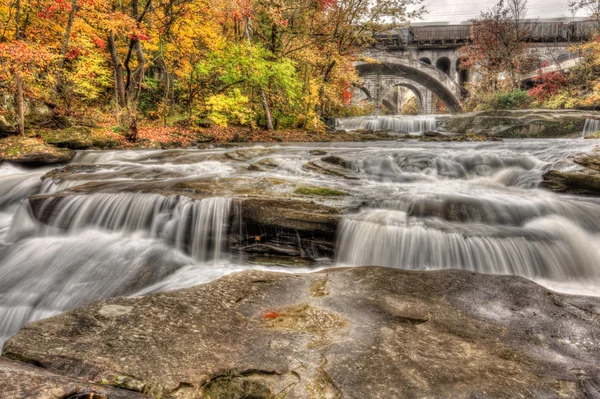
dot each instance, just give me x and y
(590, 7)
(497, 52)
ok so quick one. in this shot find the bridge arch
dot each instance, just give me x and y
(443, 64)
(461, 74)
(391, 103)
(425, 60)
(425, 75)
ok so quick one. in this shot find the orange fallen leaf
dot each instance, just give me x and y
(270, 315)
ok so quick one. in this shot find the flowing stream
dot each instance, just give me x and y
(394, 123)
(133, 222)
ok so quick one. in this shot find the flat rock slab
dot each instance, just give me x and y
(366, 332)
(19, 380)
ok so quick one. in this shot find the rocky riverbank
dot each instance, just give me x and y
(47, 147)
(535, 123)
(56, 146)
(357, 333)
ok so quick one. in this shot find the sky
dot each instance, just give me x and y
(462, 10)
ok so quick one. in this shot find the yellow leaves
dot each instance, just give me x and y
(232, 108)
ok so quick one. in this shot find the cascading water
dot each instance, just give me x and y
(549, 248)
(134, 222)
(72, 249)
(197, 227)
(405, 124)
(591, 126)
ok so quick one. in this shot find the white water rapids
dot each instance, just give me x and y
(412, 205)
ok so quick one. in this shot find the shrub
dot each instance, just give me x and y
(513, 99)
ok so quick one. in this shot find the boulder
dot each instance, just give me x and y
(589, 160)
(366, 332)
(20, 381)
(584, 181)
(339, 161)
(76, 138)
(6, 127)
(33, 152)
(580, 182)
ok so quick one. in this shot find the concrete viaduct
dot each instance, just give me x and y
(427, 72)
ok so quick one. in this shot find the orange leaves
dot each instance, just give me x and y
(55, 7)
(22, 57)
(270, 315)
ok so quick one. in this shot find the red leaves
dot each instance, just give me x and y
(72, 53)
(139, 36)
(547, 85)
(99, 42)
(326, 4)
(54, 8)
(270, 315)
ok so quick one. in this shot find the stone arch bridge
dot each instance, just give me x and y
(427, 72)
(380, 75)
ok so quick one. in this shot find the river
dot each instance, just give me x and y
(124, 224)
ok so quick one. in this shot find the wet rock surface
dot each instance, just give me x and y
(585, 181)
(520, 123)
(356, 333)
(20, 380)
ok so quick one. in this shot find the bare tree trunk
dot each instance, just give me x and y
(117, 70)
(20, 105)
(265, 103)
(18, 81)
(138, 78)
(63, 51)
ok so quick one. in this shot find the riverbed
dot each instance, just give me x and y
(116, 223)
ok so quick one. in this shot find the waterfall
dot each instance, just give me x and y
(406, 124)
(197, 227)
(551, 247)
(43, 276)
(15, 184)
(591, 126)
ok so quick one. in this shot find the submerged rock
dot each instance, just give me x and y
(264, 165)
(358, 333)
(246, 154)
(330, 169)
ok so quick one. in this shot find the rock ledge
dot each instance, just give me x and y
(365, 332)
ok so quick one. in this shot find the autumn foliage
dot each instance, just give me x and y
(255, 63)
